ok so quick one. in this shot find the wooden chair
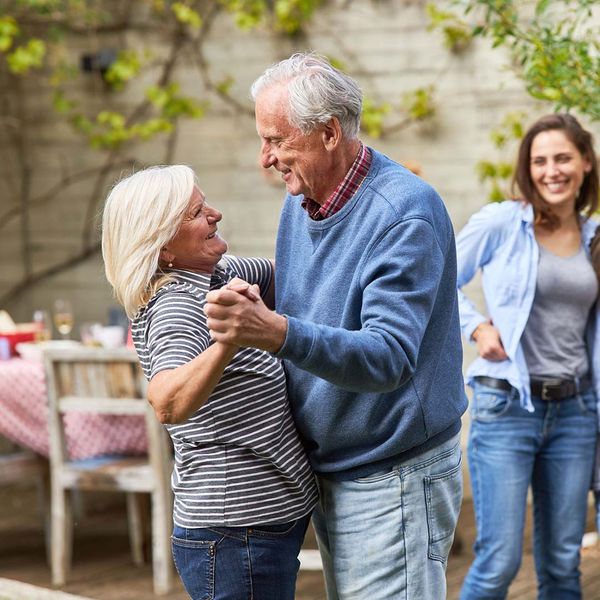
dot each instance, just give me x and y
(24, 466)
(108, 382)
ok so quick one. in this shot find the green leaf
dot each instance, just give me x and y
(27, 57)
(8, 31)
(186, 15)
(541, 7)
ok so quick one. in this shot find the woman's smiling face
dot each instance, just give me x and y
(197, 246)
(557, 168)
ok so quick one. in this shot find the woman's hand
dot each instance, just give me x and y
(252, 292)
(489, 344)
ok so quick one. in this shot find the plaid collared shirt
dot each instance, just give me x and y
(344, 191)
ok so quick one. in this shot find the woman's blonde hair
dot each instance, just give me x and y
(143, 212)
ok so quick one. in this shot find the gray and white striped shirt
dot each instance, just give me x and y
(238, 459)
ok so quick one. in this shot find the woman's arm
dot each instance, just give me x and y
(475, 245)
(175, 394)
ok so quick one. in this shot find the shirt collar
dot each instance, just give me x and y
(203, 281)
(345, 189)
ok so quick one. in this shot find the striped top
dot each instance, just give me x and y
(238, 458)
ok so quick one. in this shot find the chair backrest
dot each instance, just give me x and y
(105, 381)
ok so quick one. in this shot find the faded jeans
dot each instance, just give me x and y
(388, 535)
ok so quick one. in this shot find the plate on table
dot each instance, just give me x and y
(33, 351)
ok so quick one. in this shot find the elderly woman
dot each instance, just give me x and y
(243, 488)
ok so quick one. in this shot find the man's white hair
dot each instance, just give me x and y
(317, 92)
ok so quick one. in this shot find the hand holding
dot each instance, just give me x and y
(241, 318)
(252, 292)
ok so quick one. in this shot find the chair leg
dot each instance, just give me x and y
(44, 503)
(162, 562)
(61, 534)
(135, 520)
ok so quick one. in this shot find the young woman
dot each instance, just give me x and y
(534, 406)
(243, 487)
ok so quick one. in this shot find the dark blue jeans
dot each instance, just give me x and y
(239, 563)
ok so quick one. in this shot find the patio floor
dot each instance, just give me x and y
(103, 569)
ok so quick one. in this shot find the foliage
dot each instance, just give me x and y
(499, 173)
(286, 16)
(456, 33)
(555, 50)
(555, 47)
(373, 117)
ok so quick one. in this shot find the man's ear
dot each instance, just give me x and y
(331, 134)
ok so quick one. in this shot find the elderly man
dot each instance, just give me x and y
(367, 324)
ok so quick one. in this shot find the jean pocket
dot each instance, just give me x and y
(489, 403)
(195, 563)
(588, 404)
(443, 497)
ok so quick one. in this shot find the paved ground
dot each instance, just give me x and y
(103, 570)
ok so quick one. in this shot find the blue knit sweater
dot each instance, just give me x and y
(373, 350)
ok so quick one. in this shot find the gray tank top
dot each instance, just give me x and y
(554, 337)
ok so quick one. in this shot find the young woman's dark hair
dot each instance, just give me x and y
(587, 200)
(595, 252)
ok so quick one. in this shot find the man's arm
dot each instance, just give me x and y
(400, 280)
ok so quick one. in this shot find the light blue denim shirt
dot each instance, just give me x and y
(499, 240)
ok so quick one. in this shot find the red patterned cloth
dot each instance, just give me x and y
(24, 416)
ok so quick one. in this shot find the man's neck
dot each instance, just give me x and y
(341, 161)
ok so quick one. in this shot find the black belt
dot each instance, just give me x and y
(546, 389)
(493, 382)
(558, 389)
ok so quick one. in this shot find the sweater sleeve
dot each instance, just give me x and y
(400, 279)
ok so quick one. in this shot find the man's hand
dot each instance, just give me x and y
(237, 315)
(252, 292)
(489, 344)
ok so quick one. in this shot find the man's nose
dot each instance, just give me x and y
(267, 158)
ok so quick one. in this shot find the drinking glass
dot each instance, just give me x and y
(43, 326)
(63, 317)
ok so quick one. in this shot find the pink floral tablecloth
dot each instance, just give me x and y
(24, 418)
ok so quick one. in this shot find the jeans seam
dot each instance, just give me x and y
(427, 481)
(212, 551)
(429, 462)
(255, 532)
(250, 578)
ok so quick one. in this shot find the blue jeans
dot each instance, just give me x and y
(234, 563)
(388, 535)
(551, 449)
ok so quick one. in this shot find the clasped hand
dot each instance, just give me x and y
(237, 315)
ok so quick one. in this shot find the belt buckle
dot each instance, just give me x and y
(547, 386)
